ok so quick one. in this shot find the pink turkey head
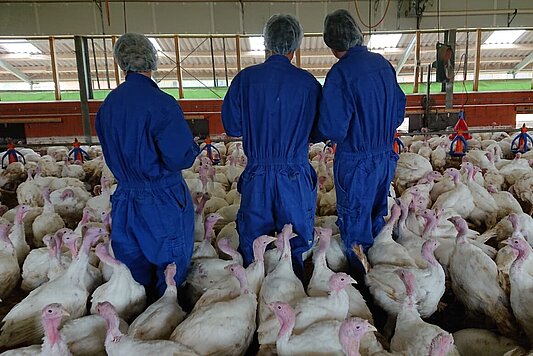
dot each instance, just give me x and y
(46, 195)
(492, 189)
(4, 231)
(454, 174)
(490, 156)
(259, 246)
(441, 345)
(285, 315)
(409, 281)
(324, 238)
(102, 251)
(461, 226)
(107, 311)
(225, 246)
(22, 211)
(433, 176)
(395, 213)
(170, 273)
(428, 250)
(339, 281)
(70, 239)
(212, 219)
(51, 320)
(321, 181)
(521, 246)
(238, 271)
(67, 193)
(351, 332)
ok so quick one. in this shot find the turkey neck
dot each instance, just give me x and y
(113, 333)
(350, 344)
(51, 330)
(523, 255)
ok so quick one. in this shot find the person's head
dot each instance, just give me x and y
(135, 53)
(341, 32)
(283, 35)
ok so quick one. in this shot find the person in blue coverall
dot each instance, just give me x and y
(146, 143)
(274, 106)
(362, 106)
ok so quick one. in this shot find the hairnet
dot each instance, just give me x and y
(134, 52)
(341, 32)
(283, 34)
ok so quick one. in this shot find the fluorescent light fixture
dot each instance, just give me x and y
(257, 43)
(156, 44)
(504, 36)
(384, 41)
(19, 46)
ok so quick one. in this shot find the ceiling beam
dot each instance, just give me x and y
(17, 73)
(405, 56)
(522, 65)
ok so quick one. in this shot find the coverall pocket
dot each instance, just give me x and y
(293, 188)
(252, 189)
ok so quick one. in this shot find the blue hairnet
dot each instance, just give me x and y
(283, 34)
(341, 32)
(134, 52)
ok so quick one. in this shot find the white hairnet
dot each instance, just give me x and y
(283, 34)
(341, 32)
(135, 53)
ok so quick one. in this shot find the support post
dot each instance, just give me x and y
(478, 61)
(55, 74)
(178, 65)
(115, 65)
(417, 63)
(84, 79)
(238, 50)
(299, 58)
(448, 86)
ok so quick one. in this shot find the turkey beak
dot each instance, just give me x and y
(352, 281)
(66, 313)
(506, 242)
(372, 328)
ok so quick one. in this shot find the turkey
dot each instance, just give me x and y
(29, 193)
(46, 223)
(310, 310)
(53, 343)
(205, 248)
(118, 344)
(413, 336)
(127, 296)
(281, 284)
(505, 202)
(389, 292)
(318, 284)
(85, 336)
(351, 334)
(410, 169)
(22, 324)
(69, 203)
(212, 320)
(483, 342)
(72, 170)
(9, 267)
(521, 278)
(458, 199)
(102, 201)
(18, 235)
(474, 277)
(387, 251)
(161, 318)
(485, 207)
(523, 188)
(321, 338)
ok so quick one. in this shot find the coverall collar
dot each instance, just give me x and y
(278, 58)
(139, 78)
(354, 50)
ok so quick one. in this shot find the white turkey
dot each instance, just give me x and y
(210, 323)
(410, 169)
(22, 323)
(474, 277)
(18, 235)
(127, 296)
(9, 267)
(46, 223)
(161, 318)
(118, 344)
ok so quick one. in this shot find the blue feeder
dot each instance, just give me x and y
(522, 142)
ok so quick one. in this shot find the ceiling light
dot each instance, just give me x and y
(384, 41)
(504, 36)
(257, 43)
(19, 46)
(156, 44)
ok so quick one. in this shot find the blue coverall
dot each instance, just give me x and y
(274, 106)
(146, 143)
(362, 106)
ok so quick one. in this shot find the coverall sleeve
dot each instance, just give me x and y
(174, 139)
(231, 109)
(336, 108)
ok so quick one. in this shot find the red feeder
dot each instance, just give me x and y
(461, 126)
